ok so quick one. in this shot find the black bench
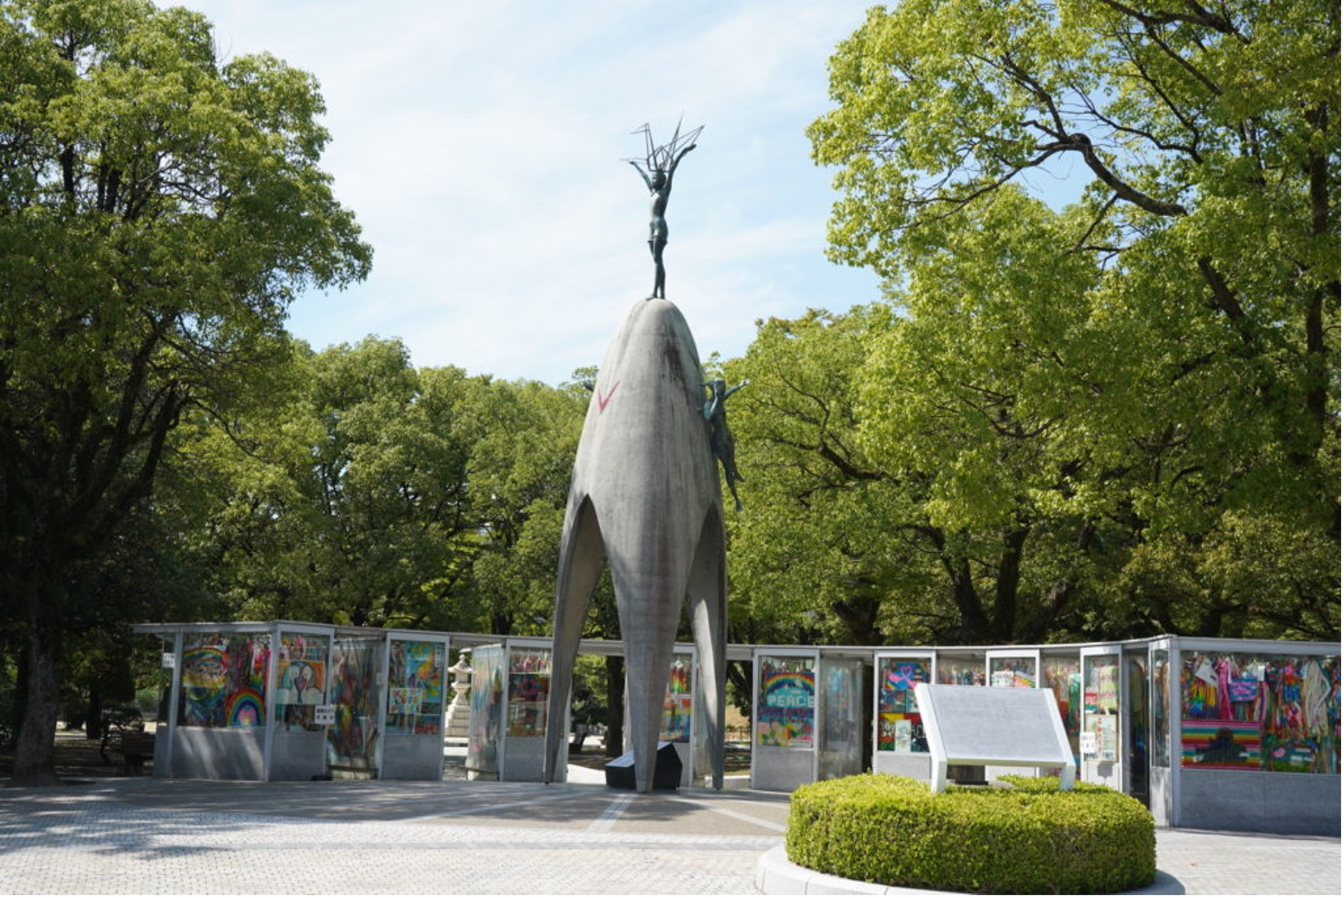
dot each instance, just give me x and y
(134, 746)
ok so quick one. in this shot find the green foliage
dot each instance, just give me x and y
(367, 492)
(525, 435)
(1104, 420)
(815, 536)
(1028, 839)
(158, 210)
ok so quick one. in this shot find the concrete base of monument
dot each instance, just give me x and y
(775, 875)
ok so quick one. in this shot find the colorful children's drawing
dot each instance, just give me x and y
(896, 686)
(786, 714)
(246, 708)
(528, 695)
(301, 678)
(355, 663)
(1220, 744)
(224, 680)
(416, 674)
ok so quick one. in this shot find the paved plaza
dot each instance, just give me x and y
(150, 836)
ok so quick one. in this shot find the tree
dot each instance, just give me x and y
(897, 495)
(1191, 386)
(981, 394)
(159, 210)
(815, 545)
(345, 499)
(147, 573)
(520, 465)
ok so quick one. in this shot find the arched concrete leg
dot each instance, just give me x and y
(581, 558)
(706, 598)
(650, 609)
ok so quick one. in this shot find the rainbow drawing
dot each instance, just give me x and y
(246, 708)
(1220, 744)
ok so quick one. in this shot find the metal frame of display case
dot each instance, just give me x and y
(236, 735)
(358, 666)
(521, 754)
(276, 747)
(297, 750)
(827, 740)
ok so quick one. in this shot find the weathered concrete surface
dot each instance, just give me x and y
(645, 499)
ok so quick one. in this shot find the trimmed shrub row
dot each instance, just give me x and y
(1030, 838)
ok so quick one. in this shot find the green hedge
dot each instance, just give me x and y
(1028, 839)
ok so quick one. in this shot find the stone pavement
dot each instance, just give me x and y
(148, 836)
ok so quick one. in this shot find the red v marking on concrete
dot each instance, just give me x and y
(603, 400)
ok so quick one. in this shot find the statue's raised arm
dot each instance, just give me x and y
(676, 160)
(659, 164)
(635, 164)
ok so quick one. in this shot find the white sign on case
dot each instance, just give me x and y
(978, 725)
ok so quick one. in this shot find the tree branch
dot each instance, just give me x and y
(1198, 15)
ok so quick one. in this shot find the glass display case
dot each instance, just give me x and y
(678, 722)
(1245, 734)
(298, 737)
(1061, 673)
(784, 718)
(222, 682)
(841, 721)
(510, 695)
(899, 744)
(1103, 730)
(417, 679)
(809, 716)
(356, 673)
(485, 730)
(1212, 733)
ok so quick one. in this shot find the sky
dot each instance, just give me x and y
(481, 147)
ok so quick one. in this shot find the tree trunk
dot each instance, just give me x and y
(1006, 584)
(972, 625)
(859, 615)
(739, 681)
(93, 717)
(615, 706)
(34, 756)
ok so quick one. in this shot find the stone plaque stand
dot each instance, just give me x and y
(979, 725)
